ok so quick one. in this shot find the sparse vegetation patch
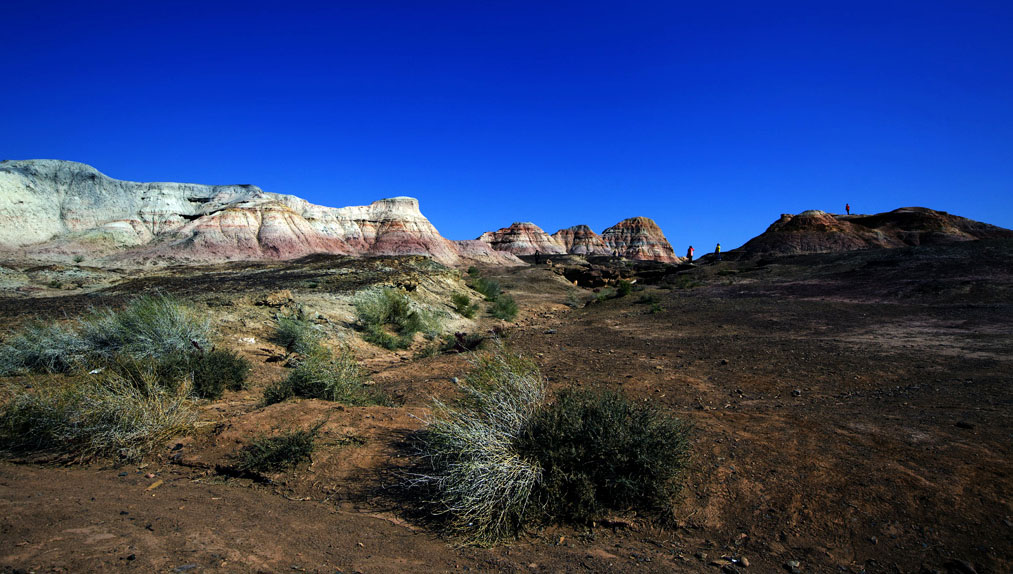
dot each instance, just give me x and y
(390, 319)
(104, 415)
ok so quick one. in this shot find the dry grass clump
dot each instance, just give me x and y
(390, 318)
(505, 457)
(275, 453)
(477, 479)
(149, 327)
(105, 415)
(319, 373)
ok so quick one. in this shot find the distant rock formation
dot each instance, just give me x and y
(581, 240)
(522, 239)
(820, 232)
(635, 238)
(54, 208)
(639, 238)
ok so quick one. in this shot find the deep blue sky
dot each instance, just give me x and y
(711, 117)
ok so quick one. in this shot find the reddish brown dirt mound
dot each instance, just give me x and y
(820, 232)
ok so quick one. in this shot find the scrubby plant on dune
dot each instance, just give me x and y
(506, 456)
(149, 326)
(390, 318)
(103, 415)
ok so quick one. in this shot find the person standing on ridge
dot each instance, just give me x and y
(717, 252)
(847, 208)
(689, 254)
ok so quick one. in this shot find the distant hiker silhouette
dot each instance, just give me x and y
(847, 208)
(689, 254)
(717, 252)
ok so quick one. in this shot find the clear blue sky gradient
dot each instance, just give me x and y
(710, 117)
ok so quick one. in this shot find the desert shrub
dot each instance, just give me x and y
(106, 415)
(600, 452)
(209, 373)
(503, 457)
(655, 308)
(624, 288)
(646, 299)
(604, 294)
(504, 308)
(330, 378)
(275, 453)
(479, 481)
(40, 347)
(463, 305)
(489, 288)
(149, 326)
(297, 335)
(390, 319)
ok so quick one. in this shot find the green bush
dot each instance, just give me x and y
(504, 308)
(503, 457)
(600, 453)
(149, 326)
(605, 294)
(624, 288)
(490, 288)
(322, 376)
(106, 415)
(297, 335)
(390, 319)
(463, 305)
(275, 453)
(210, 373)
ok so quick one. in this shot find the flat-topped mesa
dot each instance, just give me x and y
(639, 238)
(523, 238)
(58, 208)
(581, 240)
(816, 231)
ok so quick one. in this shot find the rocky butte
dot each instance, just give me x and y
(59, 209)
(637, 238)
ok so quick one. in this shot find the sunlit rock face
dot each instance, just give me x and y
(639, 238)
(53, 207)
(523, 238)
(820, 232)
(581, 240)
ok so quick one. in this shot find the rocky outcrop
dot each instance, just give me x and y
(581, 240)
(820, 232)
(639, 238)
(522, 239)
(635, 238)
(51, 207)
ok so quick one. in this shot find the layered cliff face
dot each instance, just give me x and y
(51, 207)
(821, 232)
(639, 238)
(523, 239)
(581, 240)
(635, 238)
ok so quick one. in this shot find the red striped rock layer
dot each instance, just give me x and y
(639, 238)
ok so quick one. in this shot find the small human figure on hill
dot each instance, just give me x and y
(847, 208)
(538, 257)
(717, 252)
(689, 254)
